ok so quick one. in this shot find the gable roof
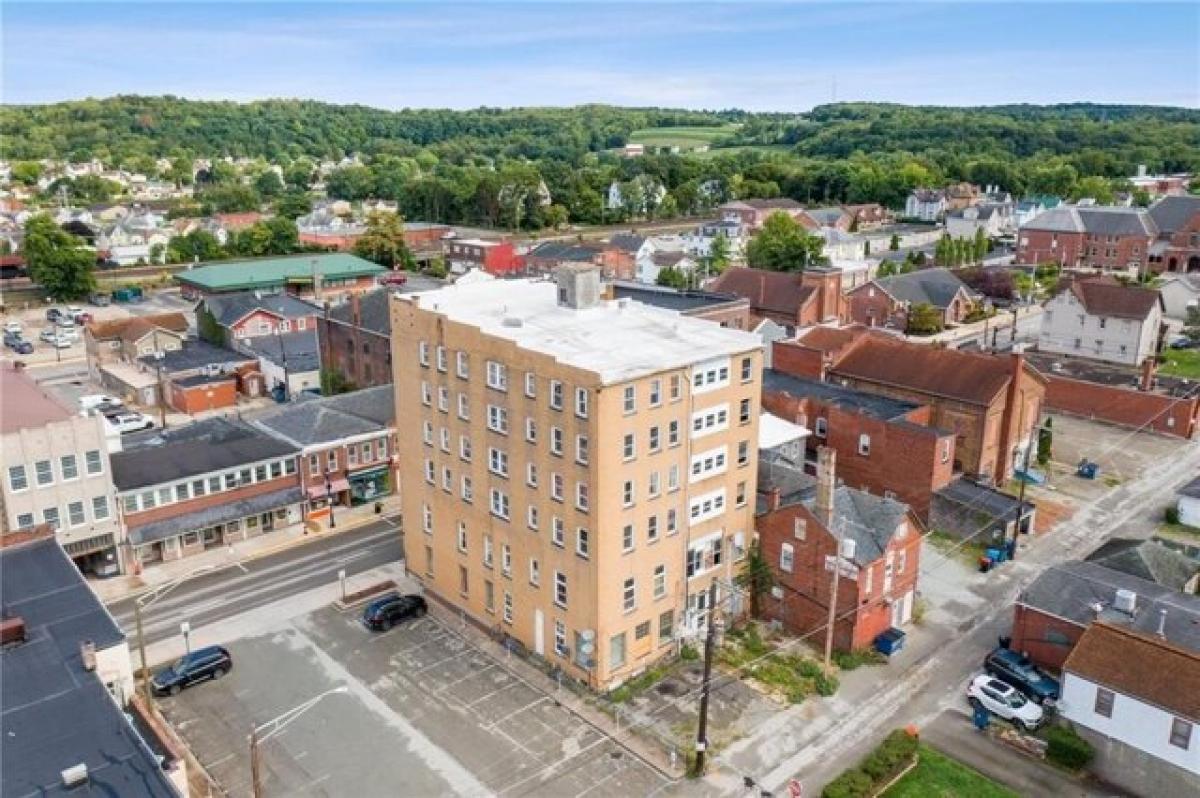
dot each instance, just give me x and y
(1173, 212)
(374, 311)
(1102, 296)
(298, 351)
(565, 250)
(139, 328)
(1097, 220)
(1140, 666)
(196, 355)
(112, 329)
(831, 339)
(869, 520)
(627, 242)
(1147, 559)
(228, 309)
(331, 418)
(970, 377)
(775, 292)
(937, 287)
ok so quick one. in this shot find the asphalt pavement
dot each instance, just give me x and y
(211, 598)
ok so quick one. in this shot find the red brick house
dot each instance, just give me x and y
(991, 403)
(867, 216)
(884, 446)
(793, 300)
(226, 319)
(752, 213)
(887, 301)
(497, 258)
(799, 528)
(1109, 239)
(1178, 246)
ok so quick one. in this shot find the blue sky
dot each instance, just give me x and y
(773, 56)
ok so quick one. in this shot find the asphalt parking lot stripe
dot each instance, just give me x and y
(485, 697)
(442, 661)
(516, 712)
(441, 690)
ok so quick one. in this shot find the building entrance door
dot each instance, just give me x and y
(539, 633)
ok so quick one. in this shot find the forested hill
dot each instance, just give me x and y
(1097, 139)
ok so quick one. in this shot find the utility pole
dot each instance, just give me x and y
(137, 621)
(833, 597)
(255, 776)
(162, 398)
(709, 639)
(1021, 500)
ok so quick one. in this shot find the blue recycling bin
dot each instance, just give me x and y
(889, 642)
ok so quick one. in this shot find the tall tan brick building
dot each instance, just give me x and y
(574, 471)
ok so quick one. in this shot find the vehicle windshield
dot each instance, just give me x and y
(178, 664)
(1016, 700)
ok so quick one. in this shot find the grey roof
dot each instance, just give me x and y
(213, 444)
(202, 379)
(627, 242)
(986, 500)
(1097, 220)
(1081, 592)
(195, 355)
(214, 514)
(53, 713)
(332, 418)
(376, 404)
(374, 312)
(670, 298)
(1171, 213)
(1148, 559)
(1191, 489)
(881, 407)
(777, 473)
(299, 351)
(865, 518)
(936, 287)
(565, 251)
(826, 216)
(227, 309)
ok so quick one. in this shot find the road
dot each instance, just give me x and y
(931, 686)
(232, 591)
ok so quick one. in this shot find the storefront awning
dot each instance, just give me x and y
(319, 490)
(211, 516)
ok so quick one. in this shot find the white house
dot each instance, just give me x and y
(842, 246)
(1179, 292)
(926, 204)
(1188, 503)
(1136, 698)
(1101, 319)
(994, 219)
(699, 241)
(648, 268)
(640, 194)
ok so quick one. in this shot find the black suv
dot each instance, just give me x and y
(212, 662)
(385, 612)
(1014, 669)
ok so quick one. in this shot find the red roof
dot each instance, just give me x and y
(1104, 296)
(237, 221)
(774, 292)
(831, 339)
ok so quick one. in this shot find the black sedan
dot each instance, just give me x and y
(386, 611)
(211, 662)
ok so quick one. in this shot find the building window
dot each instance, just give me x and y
(581, 449)
(24, 520)
(497, 376)
(864, 444)
(672, 521)
(489, 595)
(627, 493)
(628, 446)
(743, 453)
(741, 494)
(462, 537)
(487, 551)
(616, 650)
(556, 487)
(629, 595)
(464, 580)
(582, 543)
(92, 462)
(673, 433)
(69, 467)
(641, 631)
(75, 514)
(530, 430)
(747, 369)
(581, 402)
(653, 487)
(630, 399)
(531, 475)
(1104, 702)
(560, 589)
(423, 353)
(560, 639)
(535, 573)
(466, 490)
(556, 441)
(652, 528)
(655, 393)
(99, 508)
(946, 451)
(462, 364)
(507, 611)
(1181, 733)
(660, 581)
(673, 477)
(708, 421)
(655, 439)
(557, 533)
(50, 516)
(787, 557)
(498, 462)
(464, 407)
(427, 518)
(497, 419)
(666, 626)
(499, 504)
(556, 395)
(581, 496)
(441, 358)
(530, 384)
(44, 472)
(443, 399)
(17, 479)
(676, 387)
(744, 412)
(464, 448)
(820, 427)
(627, 538)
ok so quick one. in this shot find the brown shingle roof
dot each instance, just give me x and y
(972, 378)
(1139, 665)
(831, 339)
(1107, 297)
(116, 328)
(775, 292)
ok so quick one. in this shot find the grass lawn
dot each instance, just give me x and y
(1180, 532)
(763, 148)
(1181, 363)
(683, 137)
(939, 776)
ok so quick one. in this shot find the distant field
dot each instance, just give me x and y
(763, 148)
(685, 138)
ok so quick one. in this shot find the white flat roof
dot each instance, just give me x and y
(774, 431)
(618, 339)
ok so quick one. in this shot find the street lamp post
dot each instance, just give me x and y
(146, 600)
(329, 498)
(273, 727)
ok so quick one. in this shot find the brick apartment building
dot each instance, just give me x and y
(1103, 238)
(884, 446)
(800, 527)
(753, 213)
(1178, 246)
(497, 258)
(887, 301)
(991, 403)
(813, 296)
(576, 472)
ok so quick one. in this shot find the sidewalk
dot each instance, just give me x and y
(953, 734)
(117, 588)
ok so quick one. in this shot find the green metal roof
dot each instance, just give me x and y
(242, 275)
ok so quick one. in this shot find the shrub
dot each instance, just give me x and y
(1172, 515)
(1066, 748)
(850, 660)
(851, 784)
(688, 653)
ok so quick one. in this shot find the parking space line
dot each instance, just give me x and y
(442, 661)
(511, 684)
(516, 712)
(470, 675)
(616, 771)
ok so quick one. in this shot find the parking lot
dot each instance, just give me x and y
(424, 712)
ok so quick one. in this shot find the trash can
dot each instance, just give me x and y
(378, 508)
(981, 717)
(985, 564)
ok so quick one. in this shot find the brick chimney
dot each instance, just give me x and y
(1149, 371)
(356, 310)
(826, 485)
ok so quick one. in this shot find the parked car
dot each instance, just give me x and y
(211, 662)
(1004, 701)
(13, 327)
(94, 400)
(100, 300)
(55, 340)
(386, 611)
(18, 344)
(82, 317)
(53, 314)
(1011, 667)
(128, 422)
(65, 324)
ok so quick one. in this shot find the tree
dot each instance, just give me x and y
(1098, 188)
(756, 577)
(383, 242)
(26, 172)
(980, 245)
(1191, 324)
(1045, 443)
(924, 319)
(229, 198)
(718, 254)
(270, 237)
(85, 189)
(894, 243)
(292, 204)
(269, 184)
(196, 246)
(350, 183)
(672, 277)
(784, 246)
(58, 261)
(156, 253)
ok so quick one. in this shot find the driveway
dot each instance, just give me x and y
(424, 713)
